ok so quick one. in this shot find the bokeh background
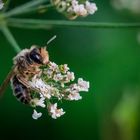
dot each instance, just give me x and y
(108, 58)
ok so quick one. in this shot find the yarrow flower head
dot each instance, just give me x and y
(74, 8)
(54, 82)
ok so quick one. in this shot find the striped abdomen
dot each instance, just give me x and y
(20, 91)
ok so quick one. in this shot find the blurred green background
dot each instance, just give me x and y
(108, 58)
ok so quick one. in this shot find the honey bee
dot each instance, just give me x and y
(27, 63)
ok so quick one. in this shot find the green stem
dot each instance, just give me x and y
(10, 38)
(29, 26)
(22, 9)
(37, 23)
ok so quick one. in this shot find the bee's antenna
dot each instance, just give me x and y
(54, 37)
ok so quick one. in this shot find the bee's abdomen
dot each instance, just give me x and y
(20, 91)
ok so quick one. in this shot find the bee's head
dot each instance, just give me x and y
(39, 55)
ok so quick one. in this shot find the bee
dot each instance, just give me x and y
(27, 63)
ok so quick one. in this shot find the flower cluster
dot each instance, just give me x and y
(1, 4)
(73, 8)
(54, 84)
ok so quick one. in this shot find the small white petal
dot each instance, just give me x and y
(66, 68)
(84, 85)
(54, 112)
(80, 10)
(74, 96)
(39, 84)
(41, 102)
(53, 66)
(41, 95)
(58, 77)
(36, 115)
(91, 7)
(74, 2)
(70, 76)
(47, 96)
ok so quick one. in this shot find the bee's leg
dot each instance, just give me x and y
(23, 81)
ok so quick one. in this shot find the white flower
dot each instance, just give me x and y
(41, 95)
(74, 96)
(47, 96)
(53, 66)
(49, 73)
(38, 102)
(36, 115)
(41, 102)
(58, 77)
(47, 91)
(90, 7)
(55, 92)
(70, 76)
(80, 10)
(65, 68)
(54, 112)
(38, 83)
(74, 2)
(75, 87)
(84, 85)
(74, 8)
(1, 4)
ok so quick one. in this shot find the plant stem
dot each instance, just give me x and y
(37, 23)
(10, 38)
(28, 26)
(22, 9)
(38, 8)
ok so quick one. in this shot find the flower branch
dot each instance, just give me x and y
(10, 38)
(37, 23)
(24, 8)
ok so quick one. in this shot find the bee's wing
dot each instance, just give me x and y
(26, 83)
(7, 80)
(23, 81)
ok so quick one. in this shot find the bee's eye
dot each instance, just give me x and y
(35, 56)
